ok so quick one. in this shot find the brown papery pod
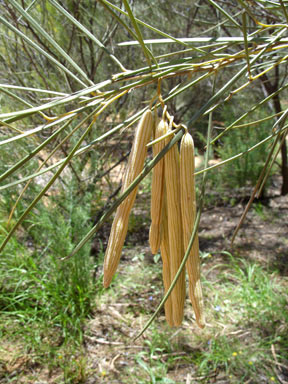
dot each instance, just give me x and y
(165, 255)
(188, 206)
(157, 190)
(172, 177)
(120, 223)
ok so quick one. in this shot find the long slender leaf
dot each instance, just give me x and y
(31, 154)
(201, 40)
(131, 120)
(62, 101)
(152, 28)
(55, 149)
(33, 131)
(272, 163)
(49, 184)
(28, 8)
(94, 114)
(86, 32)
(40, 50)
(22, 101)
(257, 186)
(252, 109)
(27, 89)
(226, 14)
(147, 53)
(268, 138)
(233, 80)
(51, 41)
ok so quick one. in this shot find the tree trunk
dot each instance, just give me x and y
(270, 88)
(284, 164)
(284, 169)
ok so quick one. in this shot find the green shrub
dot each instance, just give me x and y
(245, 170)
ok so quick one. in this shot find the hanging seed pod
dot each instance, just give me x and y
(120, 223)
(172, 177)
(188, 206)
(164, 250)
(157, 189)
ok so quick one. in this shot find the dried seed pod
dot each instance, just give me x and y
(172, 177)
(188, 206)
(164, 250)
(157, 189)
(120, 222)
